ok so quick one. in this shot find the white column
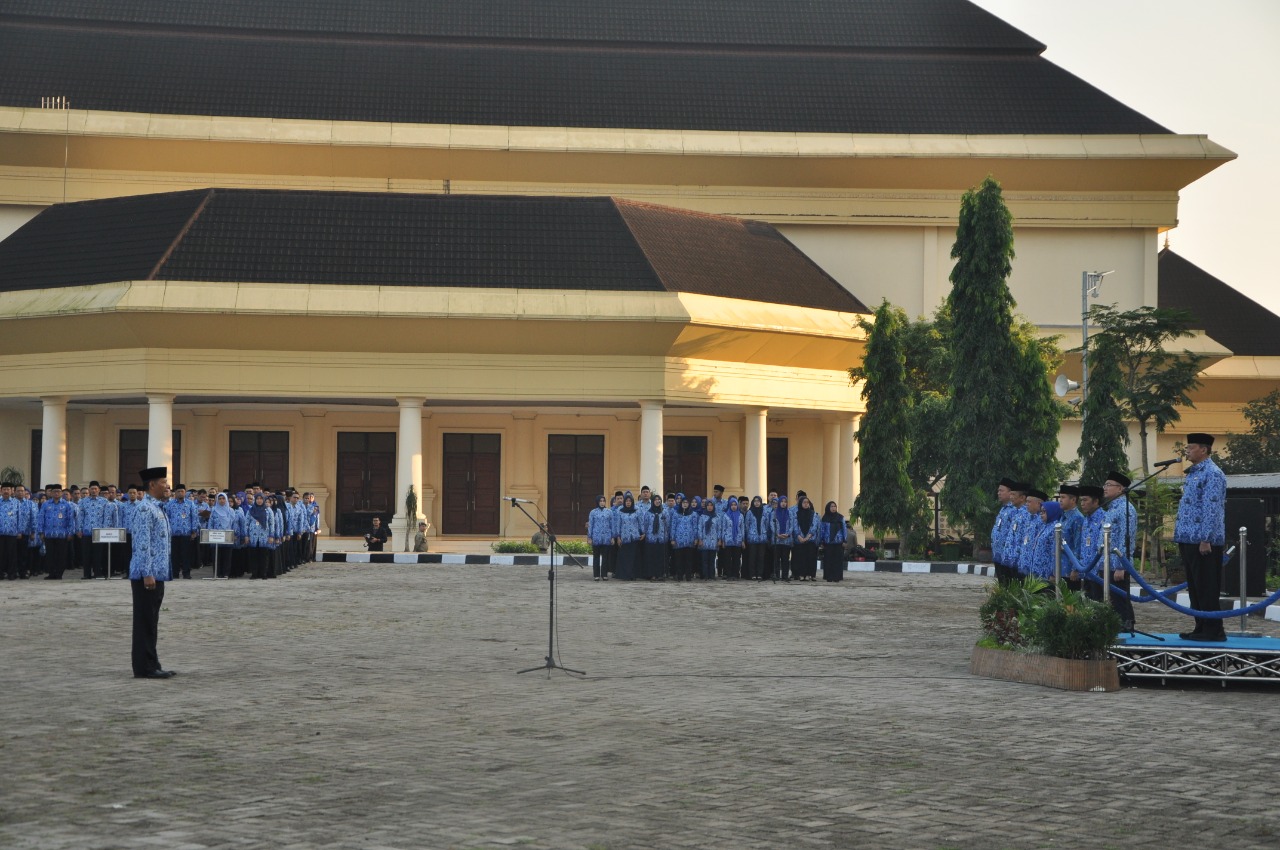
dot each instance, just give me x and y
(408, 461)
(651, 444)
(53, 441)
(831, 462)
(160, 433)
(847, 492)
(92, 466)
(756, 456)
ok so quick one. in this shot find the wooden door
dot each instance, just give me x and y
(133, 457)
(261, 456)
(684, 465)
(472, 477)
(777, 452)
(575, 477)
(366, 480)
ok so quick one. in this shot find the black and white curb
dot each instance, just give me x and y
(568, 560)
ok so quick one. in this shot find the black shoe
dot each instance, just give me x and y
(1127, 626)
(1216, 638)
(1188, 635)
(154, 674)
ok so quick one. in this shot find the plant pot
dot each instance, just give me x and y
(1067, 674)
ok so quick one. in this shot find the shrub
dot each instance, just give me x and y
(1021, 615)
(575, 547)
(514, 547)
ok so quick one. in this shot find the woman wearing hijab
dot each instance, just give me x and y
(629, 538)
(735, 529)
(804, 554)
(601, 533)
(684, 539)
(239, 552)
(710, 538)
(653, 523)
(757, 534)
(781, 533)
(275, 533)
(1040, 564)
(831, 534)
(257, 525)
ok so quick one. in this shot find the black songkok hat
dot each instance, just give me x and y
(94, 484)
(1069, 490)
(719, 488)
(1009, 483)
(1038, 494)
(1202, 439)
(7, 484)
(1118, 477)
(149, 475)
(1022, 487)
(1090, 490)
(53, 486)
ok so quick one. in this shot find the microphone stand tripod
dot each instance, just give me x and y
(549, 663)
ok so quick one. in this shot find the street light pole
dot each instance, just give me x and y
(1090, 283)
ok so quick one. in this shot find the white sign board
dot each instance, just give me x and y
(109, 535)
(217, 536)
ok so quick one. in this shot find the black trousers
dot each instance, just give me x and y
(756, 560)
(146, 626)
(1204, 584)
(96, 566)
(57, 555)
(1120, 601)
(9, 556)
(833, 563)
(182, 551)
(731, 561)
(782, 562)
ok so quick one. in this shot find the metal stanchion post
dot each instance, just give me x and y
(1244, 588)
(1057, 559)
(1106, 562)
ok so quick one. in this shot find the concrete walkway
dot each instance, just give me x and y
(342, 707)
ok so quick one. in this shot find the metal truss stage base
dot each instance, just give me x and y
(1245, 659)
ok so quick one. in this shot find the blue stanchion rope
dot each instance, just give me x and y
(1160, 595)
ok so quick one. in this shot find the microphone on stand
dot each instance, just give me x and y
(513, 500)
(1164, 463)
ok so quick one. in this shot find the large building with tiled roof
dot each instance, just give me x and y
(563, 246)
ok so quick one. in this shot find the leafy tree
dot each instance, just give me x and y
(1154, 382)
(1035, 414)
(887, 500)
(1105, 433)
(985, 357)
(1258, 450)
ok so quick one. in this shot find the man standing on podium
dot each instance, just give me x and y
(149, 569)
(1200, 532)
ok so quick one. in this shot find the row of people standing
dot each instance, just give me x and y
(48, 532)
(685, 537)
(1022, 538)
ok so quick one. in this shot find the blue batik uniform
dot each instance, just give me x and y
(628, 526)
(1072, 524)
(1124, 525)
(600, 526)
(710, 531)
(826, 536)
(1000, 532)
(1090, 538)
(1038, 558)
(183, 517)
(782, 523)
(1021, 536)
(757, 530)
(151, 542)
(13, 517)
(684, 530)
(734, 536)
(653, 526)
(57, 520)
(93, 512)
(256, 531)
(1201, 511)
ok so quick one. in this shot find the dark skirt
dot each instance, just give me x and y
(833, 564)
(628, 561)
(655, 561)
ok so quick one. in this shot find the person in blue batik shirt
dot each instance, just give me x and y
(832, 534)
(600, 531)
(57, 525)
(1200, 532)
(1090, 542)
(149, 569)
(1123, 517)
(1009, 503)
(1038, 560)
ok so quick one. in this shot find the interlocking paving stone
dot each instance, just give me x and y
(347, 706)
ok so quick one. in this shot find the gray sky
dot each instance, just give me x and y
(1207, 67)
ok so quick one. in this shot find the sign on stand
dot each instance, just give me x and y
(111, 536)
(217, 538)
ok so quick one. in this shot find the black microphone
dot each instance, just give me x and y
(1164, 463)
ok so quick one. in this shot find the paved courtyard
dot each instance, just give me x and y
(378, 707)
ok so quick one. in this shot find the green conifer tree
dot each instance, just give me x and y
(1035, 415)
(886, 500)
(984, 357)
